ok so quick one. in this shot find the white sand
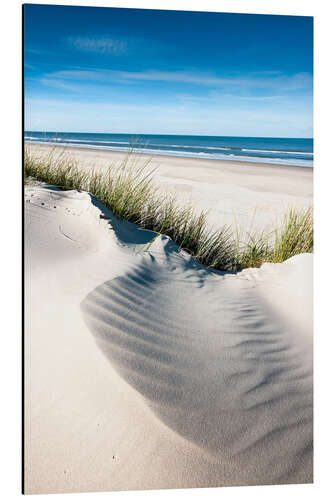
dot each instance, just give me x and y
(251, 195)
(147, 370)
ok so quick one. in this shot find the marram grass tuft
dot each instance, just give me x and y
(129, 191)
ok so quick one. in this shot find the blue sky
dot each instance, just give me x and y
(143, 71)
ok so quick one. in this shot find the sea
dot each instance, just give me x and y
(287, 151)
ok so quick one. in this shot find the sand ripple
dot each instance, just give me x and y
(212, 363)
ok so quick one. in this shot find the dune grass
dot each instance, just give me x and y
(129, 191)
(294, 235)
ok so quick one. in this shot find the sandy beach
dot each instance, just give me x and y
(252, 196)
(145, 369)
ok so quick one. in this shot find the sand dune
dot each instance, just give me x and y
(145, 369)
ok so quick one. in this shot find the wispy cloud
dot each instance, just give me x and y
(265, 98)
(274, 84)
(225, 98)
(101, 45)
(60, 84)
(217, 96)
(29, 66)
(296, 81)
(37, 51)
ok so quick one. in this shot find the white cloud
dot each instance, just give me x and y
(300, 81)
(60, 84)
(215, 97)
(102, 45)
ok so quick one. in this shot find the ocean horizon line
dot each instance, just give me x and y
(289, 151)
(167, 135)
